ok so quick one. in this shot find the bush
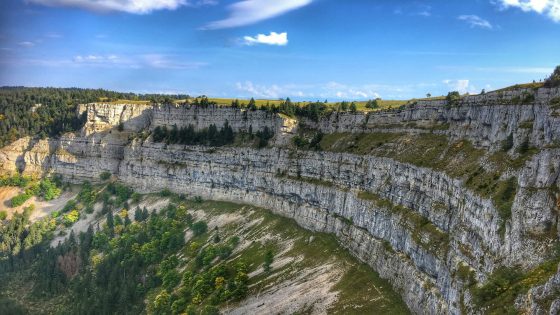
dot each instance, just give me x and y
(199, 228)
(372, 104)
(523, 147)
(48, 189)
(453, 98)
(71, 217)
(264, 136)
(20, 199)
(554, 79)
(299, 142)
(105, 175)
(508, 143)
(3, 215)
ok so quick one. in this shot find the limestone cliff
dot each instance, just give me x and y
(425, 231)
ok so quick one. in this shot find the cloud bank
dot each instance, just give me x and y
(128, 6)
(252, 11)
(550, 8)
(278, 39)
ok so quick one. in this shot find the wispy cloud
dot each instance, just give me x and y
(476, 21)
(278, 39)
(414, 10)
(144, 61)
(252, 11)
(26, 44)
(129, 6)
(529, 70)
(53, 35)
(550, 8)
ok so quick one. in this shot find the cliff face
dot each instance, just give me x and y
(486, 120)
(420, 228)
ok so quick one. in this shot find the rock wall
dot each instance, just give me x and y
(428, 226)
(486, 120)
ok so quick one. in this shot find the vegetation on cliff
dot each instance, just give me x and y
(170, 262)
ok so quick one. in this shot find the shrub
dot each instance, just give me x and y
(199, 228)
(372, 104)
(71, 217)
(105, 175)
(554, 79)
(299, 142)
(508, 143)
(20, 199)
(3, 215)
(268, 259)
(453, 98)
(523, 147)
(48, 189)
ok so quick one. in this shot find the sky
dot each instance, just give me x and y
(303, 49)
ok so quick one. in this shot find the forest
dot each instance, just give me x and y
(113, 268)
(49, 112)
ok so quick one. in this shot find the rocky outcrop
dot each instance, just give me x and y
(419, 228)
(486, 120)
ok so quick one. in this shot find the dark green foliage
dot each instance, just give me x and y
(372, 104)
(503, 200)
(453, 98)
(554, 79)
(299, 142)
(122, 192)
(18, 234)
(507, 144)
(268, 259)
(11, 307)
(524, 146)
(52, 111)
(313, 144)
(211, 136)
(252, 104)
(498, 282)
(16, 181)
(158, 237)
(105, 175)
(353, 107)
(20, 199)
(264, 136)
(199, 228)
(48, 189)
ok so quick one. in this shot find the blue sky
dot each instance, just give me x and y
(304, 49)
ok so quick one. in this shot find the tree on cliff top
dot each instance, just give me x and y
(554, 79)
(453, 98)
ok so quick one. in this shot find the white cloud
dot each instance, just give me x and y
(549, 7)
(462, 86)
(476, 21)
(332, 90)
(129, 6)
(280, 39)
(156, 61)
(263, 91)
(252, 11)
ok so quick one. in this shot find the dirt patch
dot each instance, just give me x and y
(309, 290)
(42, 208)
